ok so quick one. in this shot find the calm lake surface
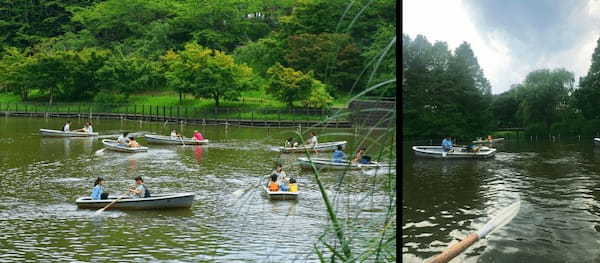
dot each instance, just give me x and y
(40, 178)
(558, 183)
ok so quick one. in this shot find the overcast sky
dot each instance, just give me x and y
(511, 37)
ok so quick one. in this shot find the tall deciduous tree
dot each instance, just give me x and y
(587, 96)
(544, 94)
(207, 73)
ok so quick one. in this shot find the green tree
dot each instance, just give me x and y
(261, 54)
(129, 75)
(544, 94)
(333, 58)
(586, 97)
(207, 73)
(289, 85)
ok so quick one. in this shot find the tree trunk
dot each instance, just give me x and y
(216, 100)
(51, 95)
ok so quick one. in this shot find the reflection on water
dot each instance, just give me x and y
(41, 178)
(198, 151)
(557, 182)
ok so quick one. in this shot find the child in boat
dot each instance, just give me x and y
(198, 136)
(133, 143)
(338, 155)
(139, 190)
(273, 186)
(98, 191)
(293, 185)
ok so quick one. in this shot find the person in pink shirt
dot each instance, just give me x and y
(198, 136)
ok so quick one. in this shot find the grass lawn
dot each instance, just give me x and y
(253, 105)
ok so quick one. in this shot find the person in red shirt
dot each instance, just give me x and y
(198, 136)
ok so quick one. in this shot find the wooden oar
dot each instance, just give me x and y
(111, 203)
(502, 218)
(239, 192)
(181, 138)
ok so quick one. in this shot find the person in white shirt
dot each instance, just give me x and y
(67, 126)
(123, 140)
(312, 141)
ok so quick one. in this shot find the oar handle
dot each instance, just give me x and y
(455, 249)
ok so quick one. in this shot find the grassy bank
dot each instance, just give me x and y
(252, 106)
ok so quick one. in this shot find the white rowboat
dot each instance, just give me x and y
(57, 133)
(113, 145)
(280, 195)
(160, 139)
(456, 153)
(322, 163)
(321, 147)
(597, 141)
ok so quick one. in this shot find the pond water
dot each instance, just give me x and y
(40, 178)
(557, 181)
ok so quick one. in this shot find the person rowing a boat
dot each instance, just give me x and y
(312, 141)
(87, 127)
(175, 135)
(98, 191)
(198, 136)
(139, 190)
(67, 126)
(123, 140)
(133, 143)
(338, 155)
(282, 179)
(447, 144)
(360, 157)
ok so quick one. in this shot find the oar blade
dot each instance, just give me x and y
(501, 219)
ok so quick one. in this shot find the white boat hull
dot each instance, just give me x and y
(160, 139)
(321, 147)
(160, 201)
(57, 133)
(321, 163)
(114, 146)
(457, 153)
(279, 195)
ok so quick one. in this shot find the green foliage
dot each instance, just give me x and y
(319, 97)
(116, 20)
(128, 75)
(333, 58)
(260, 55)
(289, 85)
(544, 94)
(588, 94)
(445, 93)
(207, 73)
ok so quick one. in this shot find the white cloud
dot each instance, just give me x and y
(499, 53)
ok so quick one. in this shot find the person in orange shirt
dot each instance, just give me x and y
(273, 185)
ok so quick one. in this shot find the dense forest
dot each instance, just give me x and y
(302, 52)
(446, 93)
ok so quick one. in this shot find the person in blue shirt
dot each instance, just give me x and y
(447, 144)
(98, 191)
(338, 155)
